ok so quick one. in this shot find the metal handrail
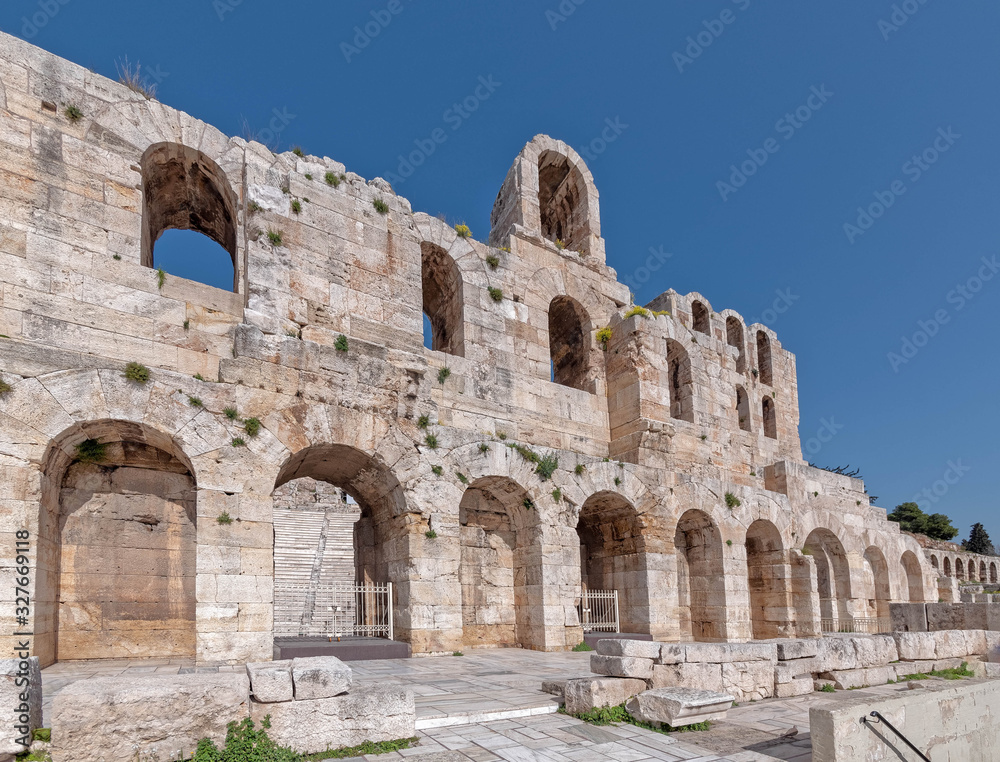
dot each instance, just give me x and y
(878, 716)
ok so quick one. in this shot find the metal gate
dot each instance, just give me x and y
(865, 625)
(598, 610)
(339, 610)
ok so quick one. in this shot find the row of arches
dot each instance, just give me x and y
(968, 569)
(734, 338)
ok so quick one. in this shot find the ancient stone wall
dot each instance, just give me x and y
(524, 434)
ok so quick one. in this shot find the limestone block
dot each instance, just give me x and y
(21, 699)
(953, 663)
(706, 676)
(786, 671)
(837, 653)
(860, 678)
(586, 693)
(799, 686)
(914, 645)
(371, 712)
(991, 670)
(271, 681)
(679, 706)
(949, 644)
(316, 677)
(729, 652)
(159, 717)
(975, 642)
(622, 666)
(875, 650)
(915, 667)
(671, 653)
(748, 680)
(797, 648)
(992, 639)
(643, 649)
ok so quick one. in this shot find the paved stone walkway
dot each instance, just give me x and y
(488, 705)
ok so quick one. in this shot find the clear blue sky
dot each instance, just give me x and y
(847, 297)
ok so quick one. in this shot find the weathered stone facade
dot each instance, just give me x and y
(679, 465)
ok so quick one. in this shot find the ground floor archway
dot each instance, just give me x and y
(833, 574)
(701, 592)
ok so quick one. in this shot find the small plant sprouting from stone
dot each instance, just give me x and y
(297, 150)
(5, 388)
(496, 294)
(815, 494)
(501, 435)
(528, 503)
(557, 494)
(732, 501)
(618, 481)
(224, 518)
(753, 473)
(560, 244)
(462, 477)
(546, 466)
(443, 374)
(187, 324)
(239, 442)
(484, 448)
(161, 278)
(331, 179)
(308, 176)
(131, 77)
(195, 401)
(463, 230)
(198, 377)
(380, 206)
(603, 336)
(117, 257)
(637, 310)
(857, 502)
(423, 422)
(755, 372)
(430, 534)
(341, 343)
(582, 646)
(729, 542)
(828, 688)
(73, 113)
(137, 372)
(297, 207)
(438, 470)
(704, 437)
(231, 413)
(493, 261)
(580, 468)
(91, 451)
(431, 441)
(251, 426)
(806, 552)
(274, 236)
(457, 653)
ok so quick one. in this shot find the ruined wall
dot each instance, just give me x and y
(680, 420)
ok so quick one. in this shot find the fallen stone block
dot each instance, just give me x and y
(584, 694)
(158, 718)
(642, 649)
(718, 653)
(875, 650)
(679, 706)
(859, 678)
(622, 666)
(914, 646)
(797, 648)
(748, 680)
(271, 681)
(316, 677)
(706, 676)
(371, 712)
(797, 686)
(21, 699)
(836, 653)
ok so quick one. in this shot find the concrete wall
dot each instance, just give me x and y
(953, 721)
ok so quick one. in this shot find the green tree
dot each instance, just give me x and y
(937, 526)
(979, 541)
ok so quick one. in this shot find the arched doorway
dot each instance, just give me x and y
(116, 546)
(914, 577)
(768, 577)
(701, 589)
(947, 566)
(833, 576)
(877, 591)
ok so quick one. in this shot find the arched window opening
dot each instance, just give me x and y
(701, 589)
(770, 419)
(982, 571)
(734, 338)
(743, 408)
(184, 190)
(569, 344)
(947, 566)
(934, 563)
(914, 577)
(993, 572)
(680, 382)
(561, 200)
(764, 358)
(699, 313)
(441, 283)
(959, 568)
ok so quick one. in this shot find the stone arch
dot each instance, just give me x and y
(769, 417)
(700, 581)
(700, 317)
(499, 557)
(768, 581)
(443, 299)
(993, 571)
(982, 571)
(914, 577)
(877, 582)
(734, 338)
(946, 566)
(184, 189)
(681, 381)
(833, 574)
(570, 343)
(934, 562)
(959, 568)
(764, 369)
(742, 408)
(116, 545)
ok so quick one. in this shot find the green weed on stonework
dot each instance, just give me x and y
(582, 647)
(90, 451)
(614, 715)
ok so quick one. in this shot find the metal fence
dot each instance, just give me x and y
(598, 610)
(864, 625)
(338, 610)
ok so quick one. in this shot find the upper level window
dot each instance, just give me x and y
(441, 283)
(764, 358)
(569, 343)
(734, 338)
(699, 313)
